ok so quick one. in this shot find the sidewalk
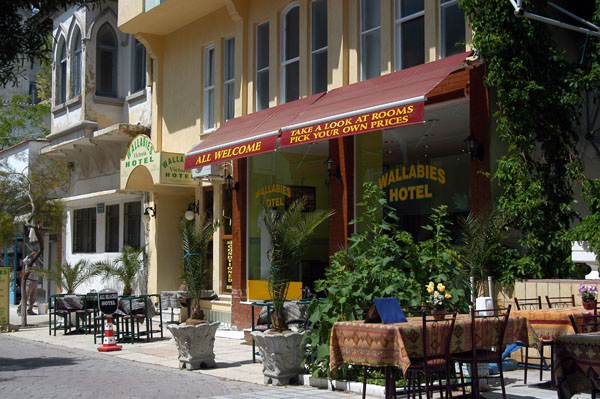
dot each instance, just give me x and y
(234, 360)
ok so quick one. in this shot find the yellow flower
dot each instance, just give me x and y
(448, 296)
(429, 289)
(441, 287)
(436, 293)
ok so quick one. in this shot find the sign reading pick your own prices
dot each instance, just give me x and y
(378, 120)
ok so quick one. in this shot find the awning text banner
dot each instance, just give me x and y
(401, 115)
(254, 147)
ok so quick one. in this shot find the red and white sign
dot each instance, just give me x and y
(226, 153)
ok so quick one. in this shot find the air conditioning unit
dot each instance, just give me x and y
(208, 172)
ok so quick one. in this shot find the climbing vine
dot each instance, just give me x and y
(538, 109)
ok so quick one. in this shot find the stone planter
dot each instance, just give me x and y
(281, 355)
(195, 344)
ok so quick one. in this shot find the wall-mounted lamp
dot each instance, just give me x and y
(332, 170)
(193, 209)
(148, 212)
(475, 149)
(230, 185)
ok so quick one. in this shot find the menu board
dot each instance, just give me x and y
(4, 307)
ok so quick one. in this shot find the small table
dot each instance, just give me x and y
(552, 323)
(576, 363)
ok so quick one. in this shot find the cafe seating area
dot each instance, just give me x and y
(133, 320)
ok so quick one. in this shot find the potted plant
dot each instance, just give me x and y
(68, 277)
(437, 298)
(195, 339)
(588, 295)
(124, 267)
(281, 350)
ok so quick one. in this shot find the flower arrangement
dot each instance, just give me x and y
(438, 297)
(588, 292)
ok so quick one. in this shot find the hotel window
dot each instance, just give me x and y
(452, 28)
(112, 228)
(318, 46)
(229, 79)
(370, 39)
(76, 66)
(262, 66)
(106, 62)
(84, 230)
(409, 27)
(139, 67)
(290, 54)
(209, 88)
(62, 75)
(132, 216)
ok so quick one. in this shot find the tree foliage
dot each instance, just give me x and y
(125, 267)
(25, 32)
(538, 110)
(68, 277)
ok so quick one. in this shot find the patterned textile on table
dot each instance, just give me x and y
(552, 323)
(577, 363)
(294, 313)
(174, 299)
(378, 345)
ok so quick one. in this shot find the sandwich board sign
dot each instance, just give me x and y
(108, 301)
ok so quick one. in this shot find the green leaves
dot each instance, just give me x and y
(125, 267)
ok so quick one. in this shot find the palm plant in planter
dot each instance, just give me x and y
(289, 232)
(195, 340)
(124, 267)
(68, 277)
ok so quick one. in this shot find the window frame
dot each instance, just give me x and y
(228, 102)
(264, 70)
(62, 73)
(398, 21)
(132, 221)
(443, 4)
(284, 63)
(76, 55)
(318, 51)
(114, 50)
(108, 227)
(138, 73)
(362, 35)
(208, 89)
(85, 219)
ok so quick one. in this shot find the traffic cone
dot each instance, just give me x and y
(109, 342)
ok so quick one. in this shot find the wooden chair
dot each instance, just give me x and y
(531, 304)
(496, 320)
(585, 323)
(560, 301)
(528, 303)
(435, 334)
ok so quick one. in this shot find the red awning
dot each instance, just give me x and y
(385, 102)
(248, 135)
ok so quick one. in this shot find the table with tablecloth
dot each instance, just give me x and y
(551, 323)
(378, 345)
(577, 363)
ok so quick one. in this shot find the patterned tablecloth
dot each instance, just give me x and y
(577, 363)
(376, 344)
(551, 323)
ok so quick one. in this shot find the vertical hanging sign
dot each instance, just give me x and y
(4, 308)
(229, 264)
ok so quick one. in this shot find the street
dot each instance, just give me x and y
(36, 370)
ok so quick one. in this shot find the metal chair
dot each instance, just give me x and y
(496, 321)
(528, 303)
(532, 304)
(436, 333)
(585, 323)
(560, 301)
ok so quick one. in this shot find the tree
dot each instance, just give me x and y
(68, 276)
(29, 199)
(124, 267)
(25, 32)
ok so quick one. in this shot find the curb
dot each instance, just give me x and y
(345, 386)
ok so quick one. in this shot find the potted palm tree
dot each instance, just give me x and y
(68, 277)
(124, 267)
(195, 340)
(281, 350)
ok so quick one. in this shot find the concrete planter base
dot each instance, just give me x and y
(281, 355)
(195, 344)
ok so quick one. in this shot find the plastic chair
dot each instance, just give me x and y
(495, 321)
(435, 334)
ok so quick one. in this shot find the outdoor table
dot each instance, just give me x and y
(576, 363)
(551, 323)
(385, 345)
